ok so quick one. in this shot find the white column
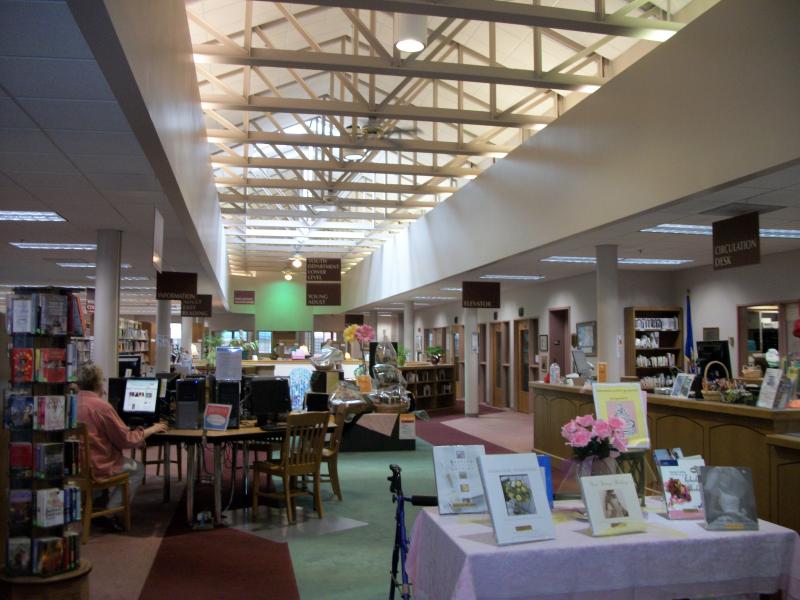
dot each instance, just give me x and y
(408, 329)
(163, 316)
(609, 312)
(470, 363)
(106, 302)
(187, 325)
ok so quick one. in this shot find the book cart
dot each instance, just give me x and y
(39, 509)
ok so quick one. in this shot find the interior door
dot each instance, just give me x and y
(560, 339)
(457, 339)
(522, 359)
(498, 340)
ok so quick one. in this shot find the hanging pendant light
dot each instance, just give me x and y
(410, 32)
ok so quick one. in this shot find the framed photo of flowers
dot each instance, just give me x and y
(517, 497)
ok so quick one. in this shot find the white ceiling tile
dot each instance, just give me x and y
(11, 116)
(65, 181)
(41, 29)
(21, 162)
(104, 216)
(125, 182)
(76, 114)
(137, 197)
(96, 142)
(110, 164)
(53, 78)
(25, 140)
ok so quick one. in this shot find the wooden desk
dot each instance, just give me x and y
(784, 478)
(195, 439)
(725, 434)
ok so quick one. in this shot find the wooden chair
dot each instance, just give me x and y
(89, 485)
(330, 454)
(301, 453)
(159, 462)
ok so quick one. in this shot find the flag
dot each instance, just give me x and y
(689, 348)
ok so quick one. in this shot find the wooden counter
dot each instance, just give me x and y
(784, 476)
(725, 434)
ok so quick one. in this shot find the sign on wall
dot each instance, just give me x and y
(736, 242)
(323, 269)
(244, 296)
(199, 306)
(323, 294)
(174, 285)
(480, 294)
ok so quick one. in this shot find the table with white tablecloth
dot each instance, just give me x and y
(456, 557)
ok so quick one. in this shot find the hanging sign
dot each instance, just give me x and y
(480, 294)
(173, 285)
(199, 306)
(90, 301)
(736, 242)
(323, 294)
(244, 296)
(353, 319)
(323, 269)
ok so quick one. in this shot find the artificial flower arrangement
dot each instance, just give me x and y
(361, 334)
(595, 437)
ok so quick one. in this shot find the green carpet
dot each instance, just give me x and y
(355, 564)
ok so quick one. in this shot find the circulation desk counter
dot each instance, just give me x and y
(282, 368)
(725, 434)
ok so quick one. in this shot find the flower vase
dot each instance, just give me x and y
(570, 487)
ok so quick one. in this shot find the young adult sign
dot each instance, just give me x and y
(323, 281)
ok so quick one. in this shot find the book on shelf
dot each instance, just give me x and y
(72, 503)
(23, 315)
(51, 365)
(72, 458)
(20, 511)
(48, 460)
(612, 504)
(728, 498)
(50, 413)
(517, 498)
(20, 458)
(22, 361)
(48, 556)
(52, 314)
(18, 412)
(71, 366)
(76, 323)
(680, 482)
(458, 481)
(18, 555)
(49, 507)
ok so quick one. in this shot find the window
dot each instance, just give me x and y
(264, 342)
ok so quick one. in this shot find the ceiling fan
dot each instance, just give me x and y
(372, 128)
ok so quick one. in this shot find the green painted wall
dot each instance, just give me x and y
(280, 305)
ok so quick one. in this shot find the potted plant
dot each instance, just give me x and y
(402, 355)
(211, 343)
(434, 354)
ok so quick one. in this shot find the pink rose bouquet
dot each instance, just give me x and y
(595, 437)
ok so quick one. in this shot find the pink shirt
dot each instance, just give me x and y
(108, 435)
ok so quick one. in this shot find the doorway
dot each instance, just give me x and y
(524, 334)
(457, 344)
(559, 344)
(499, 367)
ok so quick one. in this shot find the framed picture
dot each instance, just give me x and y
(587, 337)
(543, 343)
(612, 504)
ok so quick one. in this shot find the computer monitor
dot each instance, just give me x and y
(116, 392)
(582, 366)
(140, 402)
(129, 365)
(269, 398)
(714, 351)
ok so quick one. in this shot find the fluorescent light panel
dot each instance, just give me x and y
(52, 246)
(514, 277)
(590, 260)
(707, 230)
(450, 289)
(434, 298)
(81, 265)
(30, 215)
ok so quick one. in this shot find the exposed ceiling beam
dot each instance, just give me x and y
(340, 141)
(327, 61)
(358, 109)
(297, 184)
(348, 167)
(326, 215)
(311, 202)
(519, 14)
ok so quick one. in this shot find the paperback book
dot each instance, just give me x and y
(48, 460)
(624, 401)
(612, 504)
(458, 480)
(730, 504)
(22, 360)
(23, 317)
(50, 413)
(51, 365)
(18, 557)
(19, 412)
(769, 388)
(20, 460)
(48, 556)
(49, 507)
(52, 314)
(517, 498)
(20, 511)
(680, 482)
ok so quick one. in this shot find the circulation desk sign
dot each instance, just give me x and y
(736, 242)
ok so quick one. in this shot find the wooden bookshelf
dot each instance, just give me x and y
(659, 331)
(433, 386)
(134, 338)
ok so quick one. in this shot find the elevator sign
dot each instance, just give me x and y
(480, 294)
(736, 242)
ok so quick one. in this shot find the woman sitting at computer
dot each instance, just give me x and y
(108, 435)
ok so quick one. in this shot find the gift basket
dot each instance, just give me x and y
(714, 388)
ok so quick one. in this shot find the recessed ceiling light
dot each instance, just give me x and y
(514, 277)
(590, 260)
(29, 215)
(353, 154)
(450, 289)
(125, 277)
(52, 246)
(434, 298)
(708, 230)
(410, 32)
(81, 265)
